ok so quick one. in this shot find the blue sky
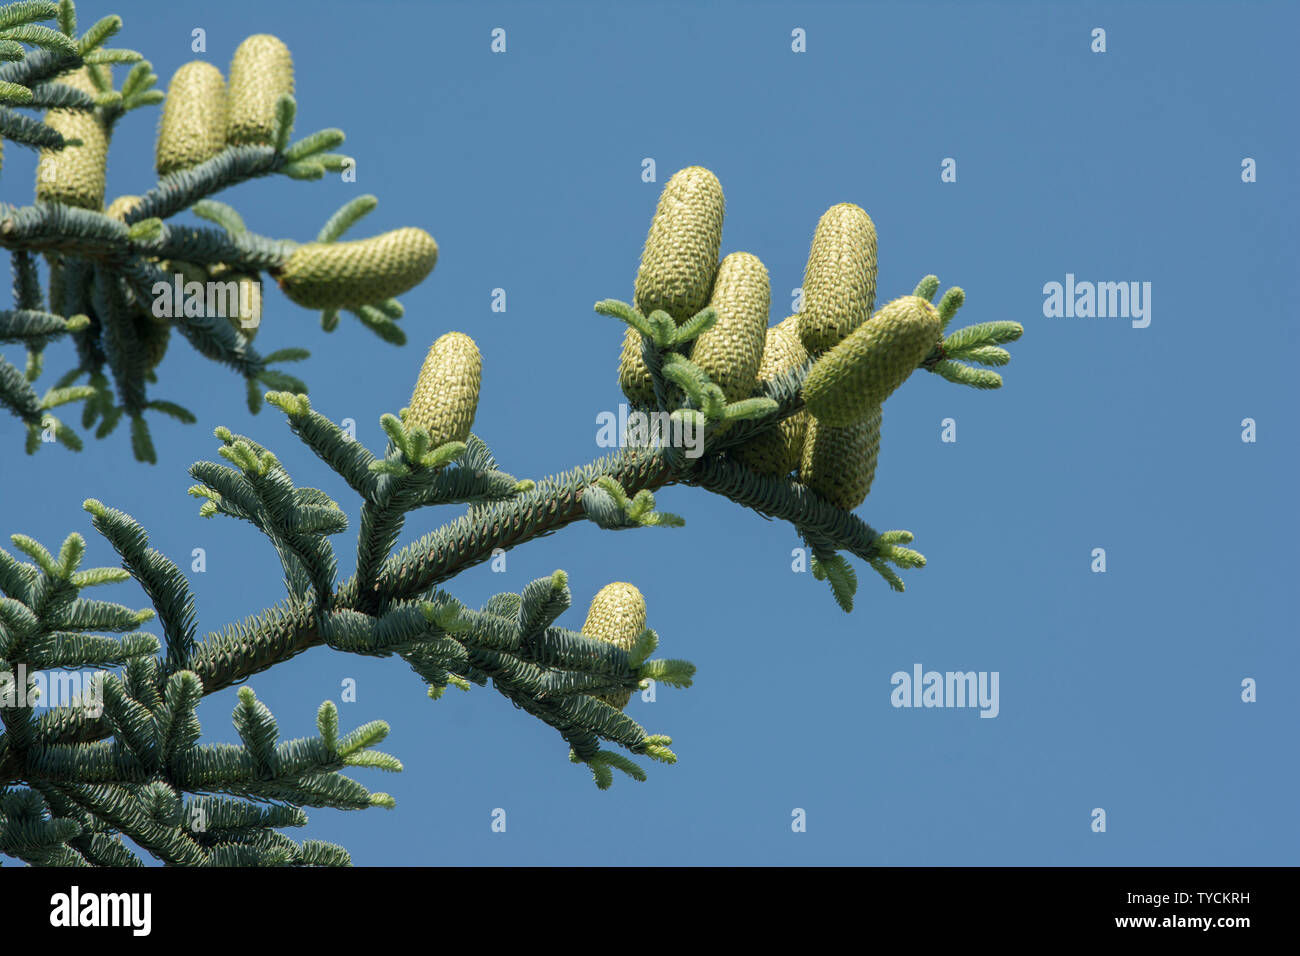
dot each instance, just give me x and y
(1119, 690)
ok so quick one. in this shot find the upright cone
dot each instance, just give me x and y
(840, 463)
(865, 369)
(731, 352)
(260, 73)
(681, 249)
(194, 116)
(839, 282)
(446, 393)
(74, 175)
(617, 616)
(778, 450)
(633, 376)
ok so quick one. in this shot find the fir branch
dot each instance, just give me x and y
(161, 579)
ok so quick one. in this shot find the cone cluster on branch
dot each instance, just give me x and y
(214, 131)
(858, 358)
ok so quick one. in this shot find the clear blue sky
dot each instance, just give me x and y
(1118, 690)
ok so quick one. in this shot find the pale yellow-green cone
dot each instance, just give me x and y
(865, 369)
(617, 616)
(446, 393)
(74, 175)
(681, 250)
(839, 282)
(243, 299)
(194, 115)
(633, 376)
(260, 73)
(120, 206)
(347, 275)
(250, 305)
(778, 450)
(840, 463)
(731, 352)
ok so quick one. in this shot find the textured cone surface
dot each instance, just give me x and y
(446, 394)
(194, 116)
(633, 376)
(260, 73)
(248, 288)
(681, 249)
(731, 352)
(839, 282)
(840, 463)
(779, 450)
(865, 369)
(617, 616)
(120, 206)
(347, 275)
(74, 175)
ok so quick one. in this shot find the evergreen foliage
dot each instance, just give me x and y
(123, 767)
(105, 267)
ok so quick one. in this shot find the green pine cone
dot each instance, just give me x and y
(731, 352)
(633, 376)
(446, 394)
(342, 275)
(74, 175)
(681, 250)
(194, 116)
(250, 302)
(840, 463)
(778, 450)
(260, 73)
(839, 282)
(617, 616)
(120, 206)
(865, 369)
